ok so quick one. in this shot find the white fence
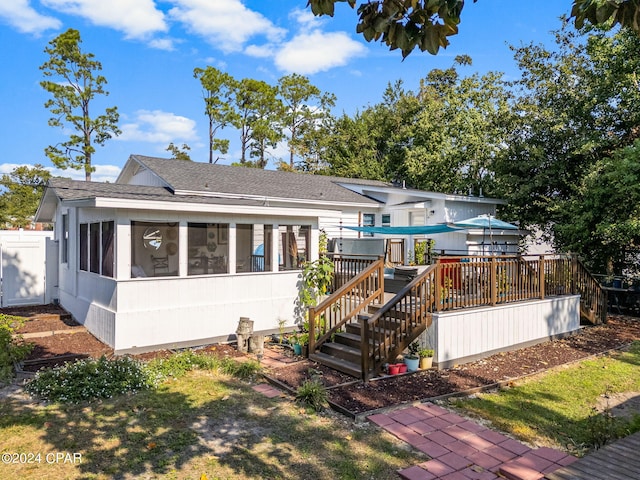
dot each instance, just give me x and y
(28, 268)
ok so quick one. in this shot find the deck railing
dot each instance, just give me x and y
(346, 303)
(593, 298)
(347, 266)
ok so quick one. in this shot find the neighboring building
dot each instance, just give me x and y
(174, 253)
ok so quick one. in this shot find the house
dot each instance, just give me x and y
(173, 253)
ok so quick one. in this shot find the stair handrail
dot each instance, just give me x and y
(593, 298)
(370, 281)
(422, 287)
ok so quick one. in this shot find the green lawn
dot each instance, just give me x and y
(202, 423)
(558, 408)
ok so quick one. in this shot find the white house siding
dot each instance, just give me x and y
(165, 312)
(334, 225)
(463, 336)
(458, 211)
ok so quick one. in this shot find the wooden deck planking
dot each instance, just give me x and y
(618, 461)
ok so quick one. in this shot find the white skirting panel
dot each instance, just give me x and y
(178, 311)
(467, 335)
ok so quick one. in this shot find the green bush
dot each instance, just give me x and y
(178, 364)
(89, 379)
(12, 349)
(312, 394)
(243, 370)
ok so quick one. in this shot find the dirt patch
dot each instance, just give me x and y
(398, 389)
(624, 405)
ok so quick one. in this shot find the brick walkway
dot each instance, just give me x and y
(460, 449)
(463, 449)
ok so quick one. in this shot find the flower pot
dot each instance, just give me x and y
(394, 369)
(426, 363)
(402, 368)
(412, 363)
(297, 349)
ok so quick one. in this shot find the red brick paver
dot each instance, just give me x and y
(462, 449)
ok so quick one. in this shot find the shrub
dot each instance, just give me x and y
(312, 394)
(12, 349)
(178, 364)
(89, 379)
(243, 370)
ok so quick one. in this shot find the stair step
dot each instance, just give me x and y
(343, 366)
(341, 351)
(349, 339)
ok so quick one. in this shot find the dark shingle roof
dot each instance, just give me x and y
(67, 190)
(184, 176)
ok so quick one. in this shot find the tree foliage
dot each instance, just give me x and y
(72, 80)
(427, 24)
(217, 93)
(179, 153)
(579, 105)
(306, 111)
(22, 190)
(444, 137)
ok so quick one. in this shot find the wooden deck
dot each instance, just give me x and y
(618, 461)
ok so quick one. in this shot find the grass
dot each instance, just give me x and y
(559, 408)
(204, 422)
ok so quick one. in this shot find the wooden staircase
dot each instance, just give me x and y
(379, 332)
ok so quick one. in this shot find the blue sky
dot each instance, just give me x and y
(149, 48)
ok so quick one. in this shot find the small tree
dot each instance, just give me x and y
(217, 90)
(73, 83)
(23, 188)
(179, 153)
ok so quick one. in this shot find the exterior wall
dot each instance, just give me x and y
(467, 335)
(180, 311)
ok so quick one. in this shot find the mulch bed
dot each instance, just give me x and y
(398, 389)
(344, 391)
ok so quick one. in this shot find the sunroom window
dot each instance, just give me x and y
(154, 249)
(253, 248)
(294, 246)
(208, 246)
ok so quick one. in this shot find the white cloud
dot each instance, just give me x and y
(22, 16)
(317, 51)
(162, 44)
(305, 18)
(226, 24)
(158, 127)
(137, 19)
(260, 51)
(103, 173)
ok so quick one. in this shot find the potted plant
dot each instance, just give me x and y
(303, 341)
(295, 343)
(426, 358)
(412, 360)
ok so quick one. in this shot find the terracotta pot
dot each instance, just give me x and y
(426, 363)
(394, 369)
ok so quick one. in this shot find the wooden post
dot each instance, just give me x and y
(364, 346)
(494, 281)
(312, 330)
(541, 275)
(438, 287)
(381, 280)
